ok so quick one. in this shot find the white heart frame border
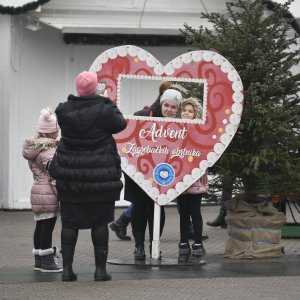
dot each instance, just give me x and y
(162, 78)
(169, 69)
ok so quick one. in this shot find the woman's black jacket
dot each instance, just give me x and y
(86, 165)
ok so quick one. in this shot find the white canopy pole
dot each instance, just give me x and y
(156, 232)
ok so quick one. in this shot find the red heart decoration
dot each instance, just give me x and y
(165, 156)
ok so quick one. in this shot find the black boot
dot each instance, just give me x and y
(119, 226)
(219, 221)
(68, 256)
(184, 252)
(100, 261)
(139, 253)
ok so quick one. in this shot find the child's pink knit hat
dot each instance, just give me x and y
(86, 83)
(47, 122)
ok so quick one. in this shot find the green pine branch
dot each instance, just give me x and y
(264, 49)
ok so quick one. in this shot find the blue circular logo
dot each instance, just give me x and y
(164, 174)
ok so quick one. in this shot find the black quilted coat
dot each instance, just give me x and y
(132, 191)
(86, 165)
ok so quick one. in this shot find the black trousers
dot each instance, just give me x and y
(143, 214)
(142, 211)
(190, 207)
(42, 237)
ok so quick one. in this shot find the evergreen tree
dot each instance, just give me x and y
(263, 47)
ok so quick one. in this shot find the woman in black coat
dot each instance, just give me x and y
(87, 170)
(143, 206)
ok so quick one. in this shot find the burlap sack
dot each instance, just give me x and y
(254, 230)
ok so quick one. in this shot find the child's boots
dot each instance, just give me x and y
(184, 252)
(48, 260)
(37, 259)
(197, 254)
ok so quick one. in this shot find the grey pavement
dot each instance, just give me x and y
(220, 278)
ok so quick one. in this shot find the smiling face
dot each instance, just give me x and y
(169, 108)
(188, 112)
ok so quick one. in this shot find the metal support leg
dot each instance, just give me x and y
(156, 232)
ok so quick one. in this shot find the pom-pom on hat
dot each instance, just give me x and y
(47, 122)
(171, 94)
(86, 83)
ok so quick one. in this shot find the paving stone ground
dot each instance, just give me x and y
(220, 278)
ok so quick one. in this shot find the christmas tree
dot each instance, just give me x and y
(264, 48)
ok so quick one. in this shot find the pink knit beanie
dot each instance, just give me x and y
(47, 122)
(86, 83)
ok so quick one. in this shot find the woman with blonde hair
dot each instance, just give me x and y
(189, 202)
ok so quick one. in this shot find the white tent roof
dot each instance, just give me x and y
(126, 16)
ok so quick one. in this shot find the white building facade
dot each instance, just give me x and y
(38, 68)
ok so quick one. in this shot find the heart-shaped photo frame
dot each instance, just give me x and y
(165, 156)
